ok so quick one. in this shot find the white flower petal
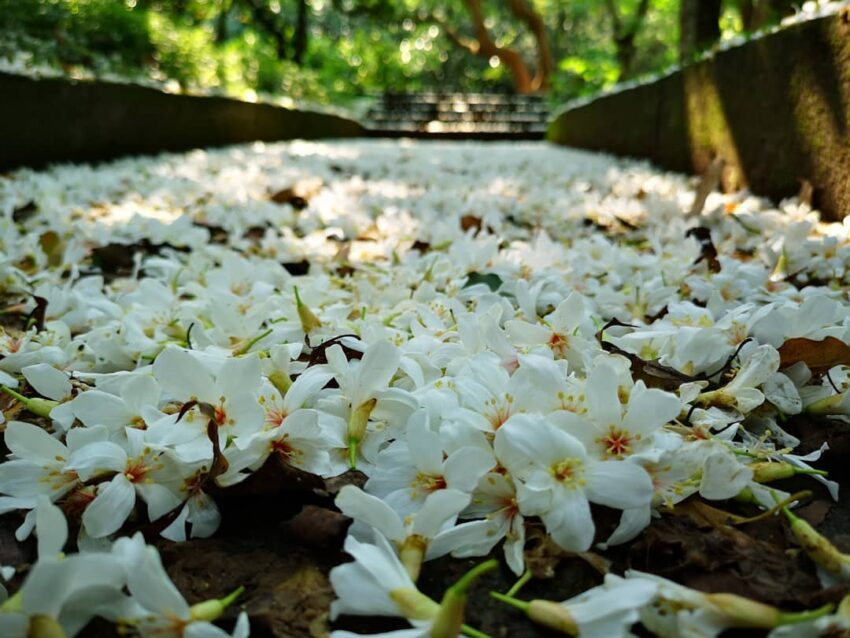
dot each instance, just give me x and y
(183, 377)
(618, 484)
(602, 395)
(649, 409)
(149, 583)
(425, 446)
(96, 458)
(723, 476)
(100, 408)
(526, 441)
(440, 507)
(48, 381)
(27, 441)
(110, 508)
(569, 522)
(354, 502)
(464, 468)
(51, 528)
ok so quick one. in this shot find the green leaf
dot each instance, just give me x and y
(494, 282)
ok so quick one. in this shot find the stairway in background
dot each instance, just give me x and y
(458, 115)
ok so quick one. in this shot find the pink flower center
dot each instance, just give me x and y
(617, 442)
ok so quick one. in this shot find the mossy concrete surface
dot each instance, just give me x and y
(776, 109)
(44, 121)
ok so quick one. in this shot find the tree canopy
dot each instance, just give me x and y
(337, 50)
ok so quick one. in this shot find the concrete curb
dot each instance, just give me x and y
(46, 121)
(777, 109)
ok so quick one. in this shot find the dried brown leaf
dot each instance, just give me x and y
(709, 182)
(298, 195)
(708, 251)
(819, 356)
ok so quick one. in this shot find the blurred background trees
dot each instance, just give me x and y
(339, 50)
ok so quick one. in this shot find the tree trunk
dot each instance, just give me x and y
(699, 21)
(271, 24)
(756, 14)
(221, 30)
(484, 46)
(545, 63)
(488, 48)
(747, 11)
(626, 52)
(625, 36)
(301, 33)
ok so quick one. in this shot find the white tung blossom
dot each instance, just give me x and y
(444, 326)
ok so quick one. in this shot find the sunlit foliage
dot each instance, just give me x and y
(337, 50)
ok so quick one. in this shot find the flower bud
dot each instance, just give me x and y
(412, 555)
(552, 615)
(819, 549)
(413, 604)
(449, 619)
(357, 428)
(45, 627)
(844, 608)
(746, 496)
(281, 381)
(13, 603)
(210, 610)
(743, 612)
(309, 321)
(718, 398)
(780, 271)
(543, 612)
(833, 404)
(38, 406)
(766, 471)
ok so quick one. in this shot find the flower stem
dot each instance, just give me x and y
(472, 632)
(352, 453)
(232, 596)
(211, 610)
(38, 406)
(15, 395)
(448, 623)
(510, 600)
(465, 582)
(244, 349)
(781, 505)
(794, 617)
(810, 471)
(519, 584)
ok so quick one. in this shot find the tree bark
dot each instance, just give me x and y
(545, 62)
(299, 43)
(221, 30)
(270, 23)
(625, 36)
(699, 21)
(759, 13)
(486, 47)
(482, 45)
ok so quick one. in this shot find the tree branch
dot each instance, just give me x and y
(545, 63)
(484, 46)
(461, 42)
(639, 17)
(487, 47)
(615, 17)
(270, 24)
